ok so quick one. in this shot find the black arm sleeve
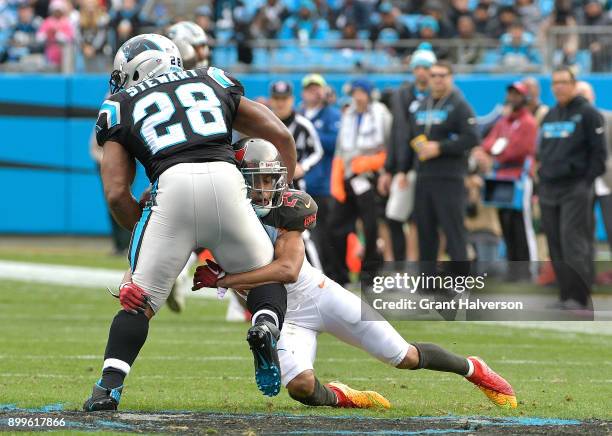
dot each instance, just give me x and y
(405, 154)
(596, 141)
(467, 135)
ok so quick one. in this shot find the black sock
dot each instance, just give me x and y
(271, 297)
(126, 337)
(265, 317)
(436, 358)
(322, 396)
(112, 378)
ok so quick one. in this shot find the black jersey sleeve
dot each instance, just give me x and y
(298, 212)
(232, 86)
(108, 125)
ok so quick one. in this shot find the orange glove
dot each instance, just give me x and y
(337, 180)
(363, 164)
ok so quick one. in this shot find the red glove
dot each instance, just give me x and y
(207, 276)
(132, 298)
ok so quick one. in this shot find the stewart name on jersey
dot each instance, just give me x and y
(173, 118)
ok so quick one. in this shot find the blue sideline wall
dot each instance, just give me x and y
(51, 184)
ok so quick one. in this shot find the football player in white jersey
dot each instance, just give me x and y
(316, 304)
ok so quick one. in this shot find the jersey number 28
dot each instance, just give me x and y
(175, 133)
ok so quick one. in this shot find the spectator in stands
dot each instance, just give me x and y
(429, 29)
(572, 155)
(324, 11)
(435, 9)
(41, 8)
(599, 45)
(510, 146)
(93, 22)
(269, 19)
(471, 47)
(360, 154)
(303, 24)
(242, 33)
(125, 22)
(353, 11)
(529, 15)
(350, 38)
(23, 40)
(404, 101)
(56, 32)
(517, 48)
(481, 18)
(389, 29)
(506, 17)
(565, 45)
(535, 106)
(326, 120)
(458, 8)
(204, 19)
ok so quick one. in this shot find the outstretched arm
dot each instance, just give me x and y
(255, 119)
(285, 268)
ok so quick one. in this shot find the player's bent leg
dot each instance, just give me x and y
(302, 386)
(307, 389)
(159, 249)
(342, 316)
(342, 313)
(127, 335)
(181, 287)
(268, 303)
(242, 245)
(435, 358)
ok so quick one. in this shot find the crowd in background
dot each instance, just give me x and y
(32, 32)
(468, 181)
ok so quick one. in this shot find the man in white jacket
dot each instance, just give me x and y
(360, 154)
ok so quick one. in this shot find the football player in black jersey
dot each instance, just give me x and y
(178, 125)
(317, 304)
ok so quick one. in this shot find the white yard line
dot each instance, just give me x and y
(100, 278)
(80, 276)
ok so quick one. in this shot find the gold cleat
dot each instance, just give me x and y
(349, 397)
(494, 386)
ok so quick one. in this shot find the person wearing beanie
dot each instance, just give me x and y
(404, 101)
(360, 154)
(389, 29)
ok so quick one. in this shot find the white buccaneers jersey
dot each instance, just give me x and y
(309, 277)
(298, 212)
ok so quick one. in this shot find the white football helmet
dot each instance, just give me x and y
(144, 57)
(194, 35)
(188, 31)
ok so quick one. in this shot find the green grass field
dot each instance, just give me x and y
(53, 339)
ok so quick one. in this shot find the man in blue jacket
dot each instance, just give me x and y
(326, 120)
